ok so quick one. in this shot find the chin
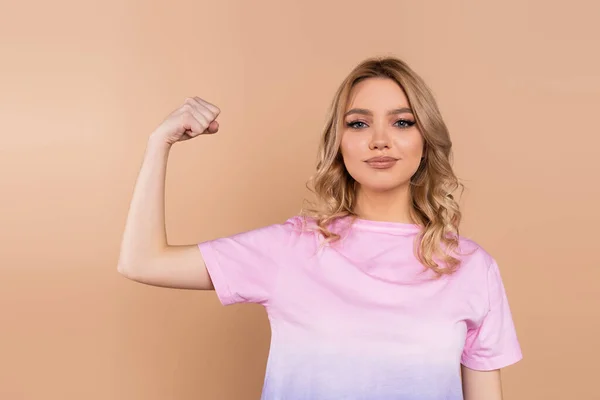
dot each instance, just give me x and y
(381, 182)
(380, 187)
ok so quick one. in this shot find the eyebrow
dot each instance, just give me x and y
(364, 111)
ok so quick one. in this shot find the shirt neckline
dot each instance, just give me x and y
(382, 226)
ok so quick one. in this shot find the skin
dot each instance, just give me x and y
(146, 256)
(379, 122)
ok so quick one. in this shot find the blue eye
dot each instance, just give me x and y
(404, 123)
(401, 123)
(355, 124)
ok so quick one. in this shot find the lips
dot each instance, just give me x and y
(382, 162)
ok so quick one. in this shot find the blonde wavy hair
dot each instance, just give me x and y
(433, 205)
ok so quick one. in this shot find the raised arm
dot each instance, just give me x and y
(145, 255)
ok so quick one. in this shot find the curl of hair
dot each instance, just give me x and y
(432, 186)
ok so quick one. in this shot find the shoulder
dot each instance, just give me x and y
(293, 229)
(478, 272)
(301, 225)
(475, 259)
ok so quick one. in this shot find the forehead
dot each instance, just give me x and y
(377, 94)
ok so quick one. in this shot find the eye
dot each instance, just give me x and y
(356, 124)
(405, 123)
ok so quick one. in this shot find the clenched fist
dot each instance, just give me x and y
(195, 117)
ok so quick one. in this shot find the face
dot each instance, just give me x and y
(381, 145)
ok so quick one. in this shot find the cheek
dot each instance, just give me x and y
(410, 146)
(353, 147)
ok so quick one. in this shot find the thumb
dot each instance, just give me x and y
(213, 127)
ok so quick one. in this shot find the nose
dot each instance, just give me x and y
(380, 140)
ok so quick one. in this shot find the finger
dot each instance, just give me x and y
(191, 127)
(213, 127)
(202, 107)
(193, 122)
(211, 107)
(203, 125)
(208, 115)
(202, 111)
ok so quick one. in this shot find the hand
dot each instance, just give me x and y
(195, 117)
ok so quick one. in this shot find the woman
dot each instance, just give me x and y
(372, 294)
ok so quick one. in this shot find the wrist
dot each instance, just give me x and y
(158, 143)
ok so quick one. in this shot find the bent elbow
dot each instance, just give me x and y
(124, 269)
(128, 267)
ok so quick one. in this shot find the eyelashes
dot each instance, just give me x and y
(401, 123)
(406, 123)
(353, 124)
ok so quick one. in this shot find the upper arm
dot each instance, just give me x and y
(244, 267)
(241, 268)
(481, 384)
(179, 267)
(491, 343)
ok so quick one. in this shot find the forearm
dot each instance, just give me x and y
(145, 235)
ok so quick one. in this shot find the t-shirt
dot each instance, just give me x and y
(359, 318)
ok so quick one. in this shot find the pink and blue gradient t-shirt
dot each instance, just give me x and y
(359, 319)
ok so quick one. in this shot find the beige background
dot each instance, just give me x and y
(83, 83)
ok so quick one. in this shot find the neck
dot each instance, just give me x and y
(391, 205)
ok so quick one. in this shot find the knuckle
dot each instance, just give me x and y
(187, 117)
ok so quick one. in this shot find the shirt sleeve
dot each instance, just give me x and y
(493, 344)
(244, 267)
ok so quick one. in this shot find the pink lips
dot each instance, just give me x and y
(382, 162)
